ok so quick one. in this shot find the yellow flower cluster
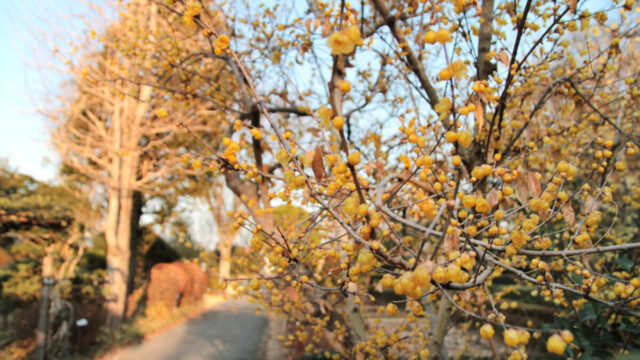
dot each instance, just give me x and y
(344, 86)
(441, 36)
(412, 283)
(344, 42)
(513, 337)
(568, 171)
(457, 70)
(221, 44)
(231, 150)
(556, 344)
(256, 133)
(482, 171)
(450, 273)
(364, 264)
(443, 107)
(162, 113)
(518, 238)
(193, 9)
(325, 114)
(486, 331)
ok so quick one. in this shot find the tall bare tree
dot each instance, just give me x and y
(118, 125)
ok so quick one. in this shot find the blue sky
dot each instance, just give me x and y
(26, 78)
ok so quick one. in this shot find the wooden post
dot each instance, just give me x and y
(43, 312)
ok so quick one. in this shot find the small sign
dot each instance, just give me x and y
(82, 322)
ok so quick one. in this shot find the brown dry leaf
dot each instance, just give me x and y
(326, 27)
(465, 296)
(429, 265)
(534, 184)
(308, 307)
(323, 305)
(291, 293)
(451, 242)
(378, 287)
(569, 214)
(316, 23)
(493, 198)
(522, 189)
(307, 25)
(478, 8)
(544, 214)
(318, 164)
(573, 6)
(479, 114)
(352, 287)
(504, 58)
(589, 205)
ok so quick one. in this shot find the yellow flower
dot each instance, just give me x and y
(429, 37)
(486, 331)
(445, 74)
(511, 337)
(458, 69)
(469, 201)
(193, 8)
(443, 36)
(451, 136)
(353, 33)
(392, 309)
(344, 86)
(354, 158)
(222, 42)
(442, 108)
(340, 44)
(256, 133)
(338, 122)
(325, 114)
(556, 345)
(162, 113)
(464, 138)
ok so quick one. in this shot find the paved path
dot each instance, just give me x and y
(218, 334)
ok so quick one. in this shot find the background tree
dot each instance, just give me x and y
(113, 129)
(42, 232)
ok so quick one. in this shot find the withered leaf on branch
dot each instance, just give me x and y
(569, 214)
(378, 287)
(504, 58)
(534, 185)
(318, 164)
(479, 114)
(493, 198)
(307, 25)
(522, 188)
(451, 242)
(326, 27)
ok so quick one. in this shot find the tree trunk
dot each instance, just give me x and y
(437, 349)
(136, 238)
(224, 247)
(119, 252)
(43, 310)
